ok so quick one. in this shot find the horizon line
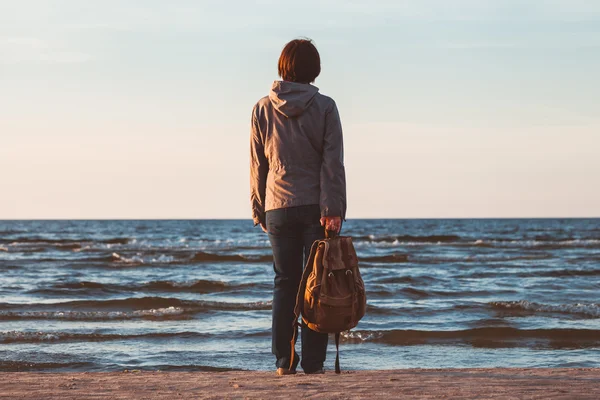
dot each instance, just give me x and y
(250, 219)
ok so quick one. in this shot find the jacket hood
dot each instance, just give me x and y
(291, 98)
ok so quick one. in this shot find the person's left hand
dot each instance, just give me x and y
(263, 226)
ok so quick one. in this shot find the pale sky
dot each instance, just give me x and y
(141, 109)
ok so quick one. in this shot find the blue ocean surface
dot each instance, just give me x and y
(196, 295)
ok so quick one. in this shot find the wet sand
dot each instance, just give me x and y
(506, 383)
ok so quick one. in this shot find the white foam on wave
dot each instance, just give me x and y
(139, 259)
(163, 258)
(539, 243)
(93, 315)
(13, 336)
(362, 335)
(134, 259)
(585, 242)
(168, 244)
(482, 242)
(220, 243)
(84, 248)
(589, 309)
(395, 243)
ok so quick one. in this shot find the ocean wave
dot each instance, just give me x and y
(238, 243)
(136, 258)
(542, 273)
(28, 241)
(553, 245)
(391, 258)
(40, 244)
(539, 243)
(40, 337)
(183, 258)
(132, 258)
(399, 280)
(135, 303)
(158, 314)
(204, 257)
(590, 257)
(18, 249)
(9, 232)
(414, 311)
(414, 293)
(58, 336)
(590, 310)
(535, 243)
(36, 244)
(384, 311)
(122, 309)
(481, 337)
(409, 239)
(126, 303)
(140, 259)
(94, 288)
(559, 273)
(19, 366)
(201, 286)
(478, 258)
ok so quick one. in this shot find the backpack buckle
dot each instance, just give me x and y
(348, 272)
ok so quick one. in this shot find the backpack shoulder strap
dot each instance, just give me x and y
(307, 270)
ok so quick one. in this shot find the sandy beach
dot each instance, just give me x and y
(506, 383)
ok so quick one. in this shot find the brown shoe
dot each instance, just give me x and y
(285, 371)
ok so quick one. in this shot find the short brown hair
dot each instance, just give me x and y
(299, 61)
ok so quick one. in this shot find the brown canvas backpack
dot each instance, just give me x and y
(331, 297)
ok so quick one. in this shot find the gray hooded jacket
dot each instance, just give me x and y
(296, 152)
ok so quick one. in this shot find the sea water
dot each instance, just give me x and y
(196, 295)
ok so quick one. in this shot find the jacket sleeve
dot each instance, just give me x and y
(333, 174)
(259, 168)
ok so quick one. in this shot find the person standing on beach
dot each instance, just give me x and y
(297, 188)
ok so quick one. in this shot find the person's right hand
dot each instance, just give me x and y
(332, 223)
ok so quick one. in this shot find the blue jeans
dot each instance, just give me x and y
(292, 232)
